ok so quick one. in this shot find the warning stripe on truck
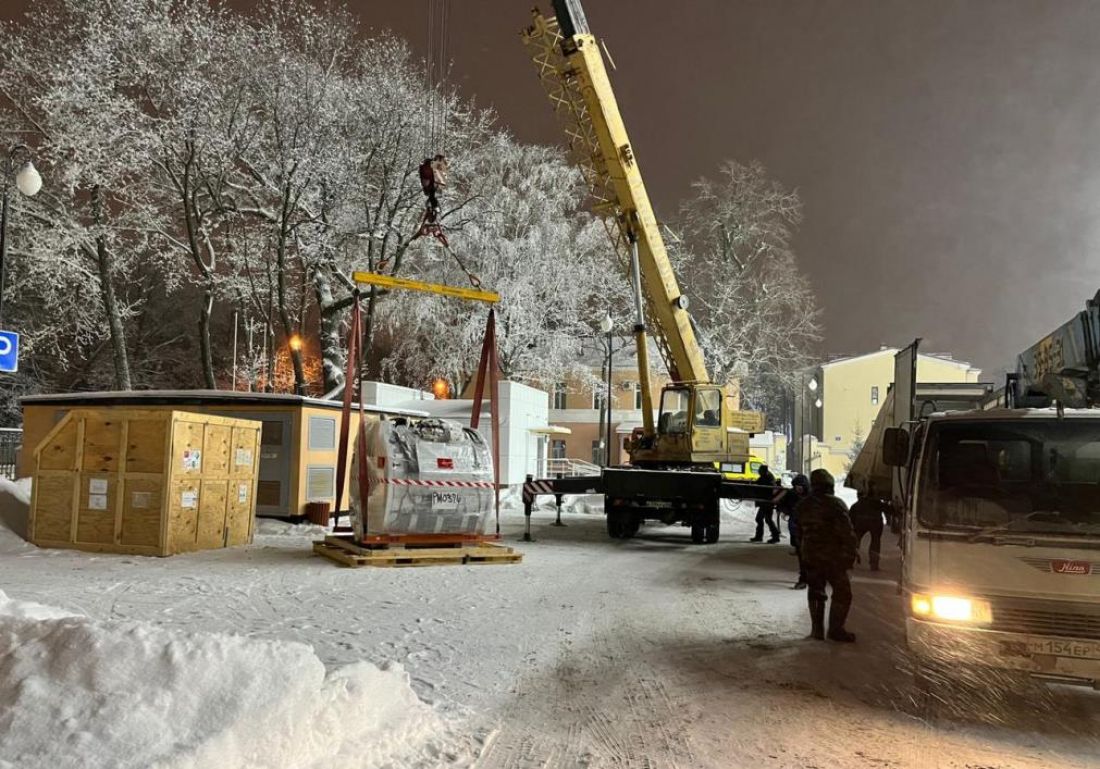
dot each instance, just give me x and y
(447, 484)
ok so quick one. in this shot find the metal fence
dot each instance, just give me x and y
(11, 441)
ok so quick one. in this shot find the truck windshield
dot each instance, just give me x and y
(1039, 476)
(674, 411)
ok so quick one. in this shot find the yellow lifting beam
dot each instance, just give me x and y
(388, 281)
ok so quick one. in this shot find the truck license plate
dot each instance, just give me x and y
(444, 500)
(1054, 647)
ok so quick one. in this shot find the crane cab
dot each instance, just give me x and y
(695, 426)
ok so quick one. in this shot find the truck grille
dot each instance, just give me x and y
(1070, 620)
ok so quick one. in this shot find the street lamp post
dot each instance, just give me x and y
(806, 438)
(607, 325)
(28, 182)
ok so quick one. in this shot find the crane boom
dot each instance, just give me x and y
(571, 68)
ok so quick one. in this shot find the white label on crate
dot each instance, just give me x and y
(244, 458)
(141, 500)
(97, 501)
(242, 492)
(189, 499)
(192, 459)
(97, 486)
(444, 500)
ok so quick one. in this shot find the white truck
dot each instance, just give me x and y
(1000, 511)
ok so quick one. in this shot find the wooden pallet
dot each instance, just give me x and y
(346, 551)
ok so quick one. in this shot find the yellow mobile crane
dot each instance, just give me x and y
(696, 430)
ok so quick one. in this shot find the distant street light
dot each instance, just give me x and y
(295, 343)
(607, 325)
(812, 384)
(28, 182)
(818, 403)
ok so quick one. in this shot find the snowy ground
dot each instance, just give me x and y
(648, 653)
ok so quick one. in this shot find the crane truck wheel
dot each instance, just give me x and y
(621, 524)
(698, 533)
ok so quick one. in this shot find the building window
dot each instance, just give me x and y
(598, 401)
(322, 433)
(320, 484)
(874, 395)
(559, 395)
(637, 396)
(557, 449)
(597, 453)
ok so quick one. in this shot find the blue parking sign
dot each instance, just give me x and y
(9, 351)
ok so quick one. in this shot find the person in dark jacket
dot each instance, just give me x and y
(866, 515)
(786, 502)
(765, 509)
(828, 552)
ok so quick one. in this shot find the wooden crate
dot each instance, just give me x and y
(146, 482)
(344, 550)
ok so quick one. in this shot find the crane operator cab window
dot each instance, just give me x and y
(675, 405)
(708, 404)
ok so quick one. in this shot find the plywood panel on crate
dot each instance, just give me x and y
(60, 451)
(217, 442)
(96, 502)
(239, 516)
(54, 502)
(245, 456)
(102, 445)
(183, 515)
(145, 443)
(187, 445)
(142, 509)
(212, 514)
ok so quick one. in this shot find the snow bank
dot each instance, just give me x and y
(15, 504)
(266, 527)
(76, 693)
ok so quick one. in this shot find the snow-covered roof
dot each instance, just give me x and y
(203, 398)
(943, 357)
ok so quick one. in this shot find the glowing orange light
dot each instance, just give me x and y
(440, 389)
(295, 342)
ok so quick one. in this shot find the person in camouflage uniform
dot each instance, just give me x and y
(828, 552)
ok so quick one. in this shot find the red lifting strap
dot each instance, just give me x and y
(350, 379)
(489, 369)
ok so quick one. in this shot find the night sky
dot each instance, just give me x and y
(947, 151)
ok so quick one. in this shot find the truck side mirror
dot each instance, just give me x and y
(895, 447)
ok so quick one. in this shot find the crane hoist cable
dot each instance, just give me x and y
(433, 169)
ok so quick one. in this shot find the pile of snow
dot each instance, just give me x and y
(15, 505)
(76, 693)
(267, 527)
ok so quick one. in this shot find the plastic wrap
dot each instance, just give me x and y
(430, 477)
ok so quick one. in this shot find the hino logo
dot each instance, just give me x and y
(1071, 567)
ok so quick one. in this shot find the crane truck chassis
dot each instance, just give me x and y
(634, 495)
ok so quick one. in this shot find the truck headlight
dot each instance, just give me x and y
(951, 608)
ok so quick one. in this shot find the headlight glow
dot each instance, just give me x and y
(951, 608)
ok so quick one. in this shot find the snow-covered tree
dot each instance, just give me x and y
(755, 313)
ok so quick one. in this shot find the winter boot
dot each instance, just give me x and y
(841, 635)
(800, 585)
(817, 619)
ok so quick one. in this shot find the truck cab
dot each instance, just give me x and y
(1001, 539)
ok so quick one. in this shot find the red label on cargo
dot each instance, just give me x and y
(1071, 567)
(445, 463)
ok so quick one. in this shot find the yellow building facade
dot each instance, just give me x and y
(839, 400)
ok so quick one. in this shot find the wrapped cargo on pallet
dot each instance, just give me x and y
(429, 477)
